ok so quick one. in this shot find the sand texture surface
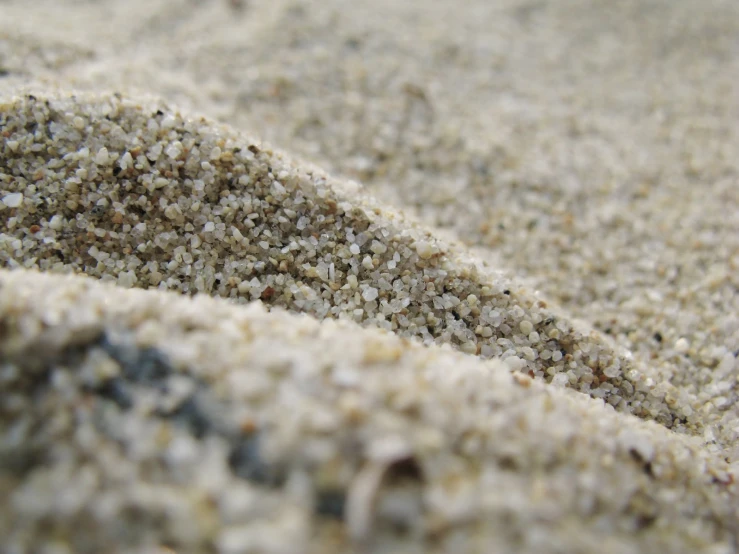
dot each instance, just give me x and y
(292, 277)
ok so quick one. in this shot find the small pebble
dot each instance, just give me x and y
(682, 345)
(13, 200)
(424, 250)
(526, 327)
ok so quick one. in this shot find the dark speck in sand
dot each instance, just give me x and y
(246, 462)
(145, 366)
(117, 391)
(330, 503)
(192, 415)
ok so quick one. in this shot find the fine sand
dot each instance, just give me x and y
(422, 276)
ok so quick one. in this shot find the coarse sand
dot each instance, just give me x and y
(422, 277)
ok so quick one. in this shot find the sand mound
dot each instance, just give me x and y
(140, 195)
(143, 419)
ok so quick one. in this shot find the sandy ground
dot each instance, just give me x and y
(551, 189)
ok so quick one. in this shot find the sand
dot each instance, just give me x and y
(463, 279)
